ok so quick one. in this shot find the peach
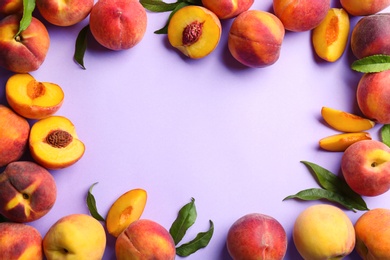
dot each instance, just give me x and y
(373, 96)
(31, 98)
(364, 7)
(340, 142)
(14, 132)
(195, 31)
(344, 121)
(54, 143)
(27, 191)
(125, 210)
(366, 167)
(256, 236)
(373, 234)
(226, 9)
(118, 24)
(255, 38)
(20, 241)
(371, 35)
(8, 7)
(301, 15)
(64, 13)
(145, 239)
(75, 236)
(331, 35)
(25, 52)
(323, 232)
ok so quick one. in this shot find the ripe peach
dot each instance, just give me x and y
(54, 143)
(27, 191)
(373, 96)
(20, 241)
(27, 51)
(64, 13)
(256, 236)
(14, 132)
(373, 234)
(145, 239)
(301, 15)
(118, 24)
(226, 9)
(33, 99)
(8, 7)
(371, 35)
(255, 38)
(366, 167)
(195, 31)
(364, 7)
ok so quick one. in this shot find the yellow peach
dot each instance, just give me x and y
(8, 7)
(340, 142)
(364, 7)
(226, 9)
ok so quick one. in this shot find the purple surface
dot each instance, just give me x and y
(229, 136)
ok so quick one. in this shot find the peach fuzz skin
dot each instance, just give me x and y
(364, 7)
(26, 52)
(226, 9)
(8, 7)
(20, 241)
(255, 38)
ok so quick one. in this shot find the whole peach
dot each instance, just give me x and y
(8, 7)
(364, 7)
(226, 9)
(371, 35)
(256, 236)
(145, 239)
(373, 96)
(27, 51)
(255, 38)
(118, 24)
(301, 15)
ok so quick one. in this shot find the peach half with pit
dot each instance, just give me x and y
(364, 7)
(8, 7)
(25, 52)
(125, 210)
(14, 132)
(20, 241)
(31, 98)
(195, 31)
(27, 191)
(54, 143)
(226, 9)
(255, 38)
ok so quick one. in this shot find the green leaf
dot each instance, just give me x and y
(81, 46)
(371, 64)
(91, 202)
(28, 8)
(200, 241)
(158, 5)
(385, 134)
(164, 30)
(185, 219)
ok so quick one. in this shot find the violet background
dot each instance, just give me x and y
(229, 136)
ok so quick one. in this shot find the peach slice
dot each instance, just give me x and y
(54, 143)
(344, 121)
(340, 142)
(195, 31)
(33, 99)
(331, 35)
(125, 210)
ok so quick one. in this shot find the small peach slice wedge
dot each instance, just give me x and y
(340, 142)
(54, 143)
(33, 99)
(125, 210)
(195, 31)
(344, 121)
(331, 35)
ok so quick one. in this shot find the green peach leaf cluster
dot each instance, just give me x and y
(371, 64)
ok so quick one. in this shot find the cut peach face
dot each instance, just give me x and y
(344, 121)
(54, 143)
(331, 35)
(340, 142)
(125, 210)
(195, 31)
(33, 99)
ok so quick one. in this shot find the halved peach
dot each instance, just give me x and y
(340, 142)
(344, 121)
(195, 31)
(125, 210)
(54, 143)
(331, 35)
(33, 99)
